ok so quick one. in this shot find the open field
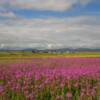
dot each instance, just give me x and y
(29, 54)
(43, 76)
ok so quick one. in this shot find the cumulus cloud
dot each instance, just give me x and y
(85, 2)
(55, 5)
(8, 14)
(79, 31)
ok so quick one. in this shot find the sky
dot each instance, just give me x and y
(49, 24)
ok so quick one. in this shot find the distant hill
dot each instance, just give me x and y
(53, 50)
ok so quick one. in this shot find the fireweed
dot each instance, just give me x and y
(51, 79)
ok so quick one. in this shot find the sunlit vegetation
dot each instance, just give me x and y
(49, 77)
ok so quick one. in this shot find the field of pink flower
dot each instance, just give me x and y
(50, 79)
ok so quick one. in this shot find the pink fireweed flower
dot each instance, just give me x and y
(62, 85)
(58, 98)
(93, 92)
(76, 85)
(69, 94)
(82, 94)
(1, 89)
(99, 98)
(18, 87)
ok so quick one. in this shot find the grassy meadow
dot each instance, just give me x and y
(27, 54)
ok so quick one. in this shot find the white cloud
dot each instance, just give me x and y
(80, 31)
(85, 2)
(7, 14)
(55, 5)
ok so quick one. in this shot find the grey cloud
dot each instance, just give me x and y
(50, 32)
(55, 5)
(7, 14)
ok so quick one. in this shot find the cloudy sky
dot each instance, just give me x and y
(49, 24)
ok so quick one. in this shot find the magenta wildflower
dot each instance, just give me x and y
(69, 94)
(1, 89)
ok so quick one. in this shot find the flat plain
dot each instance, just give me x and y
(47, 76)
